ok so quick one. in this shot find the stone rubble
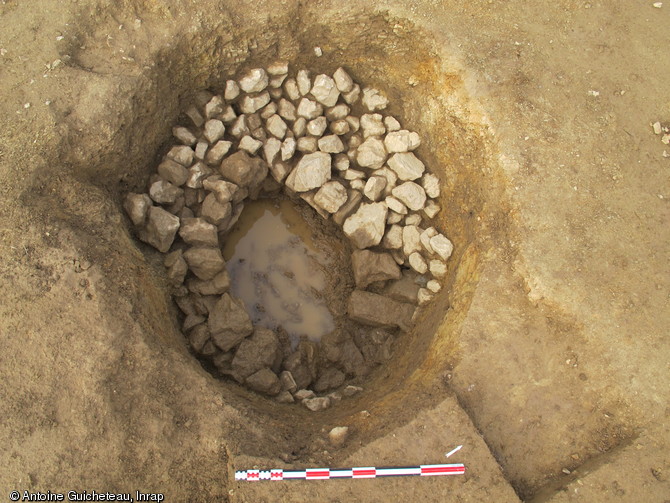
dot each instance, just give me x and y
(272, 130)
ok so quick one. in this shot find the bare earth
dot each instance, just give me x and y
(547, 357)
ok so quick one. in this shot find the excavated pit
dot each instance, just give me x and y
(427, 96)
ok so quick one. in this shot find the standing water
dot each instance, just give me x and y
(277, 270)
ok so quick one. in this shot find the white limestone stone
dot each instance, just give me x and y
(276, 126)
(252, 104)
(395, 205)
(366, 226)
(288, 148)
(250, 144)
(438, 268)
(410, 194)
(411, 239)
(406, 165)
(307, 144)
(342, 80)
(214, 130)
(393, 237)
(374, 100)
(425, 239)
(331, 196)
(340, 127)
(309, 109)
(232, 90)
(338, 112)
(317, 126)
(304, 82)
(391, 123)
(372, 125)
(271, 149)
(352, 96)
(325, 91)
(442, 246)
(431, 184)
(417, 262)
(254, 81)
(287, 110)
(431, 209)
(371, 153)
(311, 172)
(374, 188)
(291, 89)
(331, 144)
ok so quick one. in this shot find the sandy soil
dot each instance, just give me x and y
(548, 356)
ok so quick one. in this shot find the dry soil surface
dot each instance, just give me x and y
(548, 356)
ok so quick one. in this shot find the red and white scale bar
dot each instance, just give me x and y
(369, 472)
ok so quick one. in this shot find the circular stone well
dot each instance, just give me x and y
(127, 123)
(325, 140)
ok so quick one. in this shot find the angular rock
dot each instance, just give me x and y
(198, 337)
(173, 172)
(379, 311)
(304, 82)
(252, 104)
(338, 112)
(393, 238)
(407, 166)
(287, 110)
(204, 262)
(366, 227)
(214, 130)
(341, 162)
(264, 381)
(325, 91)
(354, 123)
(250, 145)
(391, 179)
(353, 174)
(410, 194)
(254, 81)
(137, 206)
(394, 218)
(425, 296)
(369, 267)
(413, 219)
(176, 267)
(411, 239)
(196, 174)
(331, 196)
(357, 184)
(304, 394)
(437, 268)
(431, 209)
(243, 170)
(431, 184)
(285, 397)
(418, 263)
(331, 144)
(222, 189)
(228, 115)
(352, 96)
(287, 382)
(391, 123)
(229, 323)
(276, 126)
(441, 246)
(163, 192)
(374, 188)
(213, 211)
(240, 127)
(372, 125)
(329, 378)
(353, 200)
(195, 116)
(351, 359)
(256, 352)
(271, 150)
(218, 152)
(278, 68)
(288, 148)
(232, 90)
(181, 154)
(309, 109)
(340, 127)
(198, 232)
(307, 144)
(214, 107)
(216, 286)
(160, 230)
(184, 135)
(298, 366)
(191, 321)
(425, 239)
(291, 88)
(279, 170)
(371, 153)
(342, 80)
(317, 404)
(311, 172)
(404, 290)
(317, 126)
(374, 100)
(401, 141)
(376, 345)
(434, 286)
(396, 205)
